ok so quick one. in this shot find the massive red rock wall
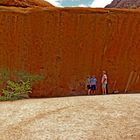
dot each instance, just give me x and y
(66, 45)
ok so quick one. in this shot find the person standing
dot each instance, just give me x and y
(93, 82)
(104, 82)
(88, 84)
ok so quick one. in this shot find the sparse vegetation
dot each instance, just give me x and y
(17, 88)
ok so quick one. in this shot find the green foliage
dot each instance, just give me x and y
(24, 76)
(4, 75)
(4, 98)
(19, 88)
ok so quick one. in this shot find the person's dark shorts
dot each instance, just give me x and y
(88, 86)
(93, 87)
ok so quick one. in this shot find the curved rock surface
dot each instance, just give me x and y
(25, 3)
(67, 44)
(124, 4)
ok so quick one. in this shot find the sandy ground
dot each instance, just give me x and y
(108, 117)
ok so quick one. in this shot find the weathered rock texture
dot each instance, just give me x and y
(68, 44)
(25, 3)
(124, 4)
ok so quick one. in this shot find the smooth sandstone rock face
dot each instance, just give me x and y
(124, 4)
(67, 44)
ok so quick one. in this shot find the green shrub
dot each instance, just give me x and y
(19, 88)
(3, 98)
(4, 75)
(24, 76)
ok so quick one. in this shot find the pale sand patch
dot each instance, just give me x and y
(110, 117)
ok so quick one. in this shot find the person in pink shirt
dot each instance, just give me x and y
(104, 82)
